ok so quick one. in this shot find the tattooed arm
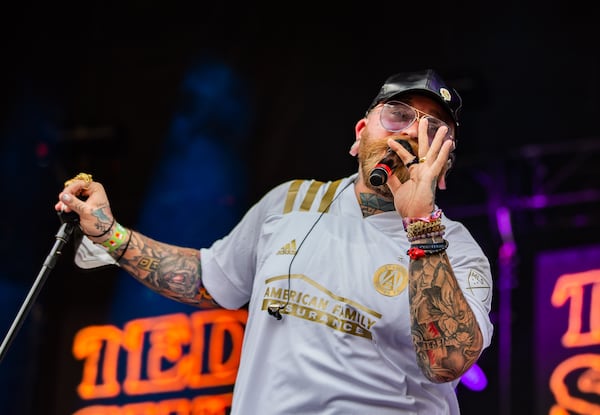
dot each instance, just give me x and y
(445, 333)
(172, 271)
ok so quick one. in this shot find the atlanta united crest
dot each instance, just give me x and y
(391, 279)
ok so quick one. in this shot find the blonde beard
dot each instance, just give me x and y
(369, 154)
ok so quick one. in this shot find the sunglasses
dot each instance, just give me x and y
(396, 116)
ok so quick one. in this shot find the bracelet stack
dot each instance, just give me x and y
(428, 227)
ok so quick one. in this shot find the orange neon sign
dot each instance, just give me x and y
(571, 287)
(202, 405)
(166, 353)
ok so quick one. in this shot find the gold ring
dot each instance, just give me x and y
(87, 178)
(422, 159)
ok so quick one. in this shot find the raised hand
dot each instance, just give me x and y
(416, 196)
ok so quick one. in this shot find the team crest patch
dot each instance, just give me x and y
(391, 279)
(479, 286)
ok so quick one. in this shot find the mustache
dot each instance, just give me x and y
(382, 147)
(404, 143)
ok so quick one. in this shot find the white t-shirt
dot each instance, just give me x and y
(343, 345)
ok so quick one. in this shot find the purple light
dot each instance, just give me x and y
(474, 379)
(503, 223)
(539, 201)
(507, 250)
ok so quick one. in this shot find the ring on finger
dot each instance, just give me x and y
(422, 159)
(413, 161)
(87, 178)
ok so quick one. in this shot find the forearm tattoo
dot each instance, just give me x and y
(171, 271)
(445, 333)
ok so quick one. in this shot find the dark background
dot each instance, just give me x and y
(92, 86)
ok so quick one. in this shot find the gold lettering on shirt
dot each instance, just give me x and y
(322, 307)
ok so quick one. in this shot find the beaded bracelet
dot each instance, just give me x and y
(116, 239)
(431, 247)
(419, 229)
(420, 250)
(415, 253)
(426, 235)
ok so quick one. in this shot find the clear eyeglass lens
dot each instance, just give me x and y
(433, 125)
(397, 116)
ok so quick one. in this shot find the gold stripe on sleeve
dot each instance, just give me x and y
(291, 196)
(310, 195)
(329, 196)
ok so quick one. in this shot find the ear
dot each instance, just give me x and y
(444, 173)
(360, 125)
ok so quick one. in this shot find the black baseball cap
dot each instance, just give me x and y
(425, 81)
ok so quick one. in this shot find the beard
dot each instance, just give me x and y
(370, 152)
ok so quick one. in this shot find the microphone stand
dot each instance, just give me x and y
(69, 221)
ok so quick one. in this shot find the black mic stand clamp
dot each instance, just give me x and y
(69, 222)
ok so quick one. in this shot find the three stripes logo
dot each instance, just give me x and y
(288, 249)
(306, 204)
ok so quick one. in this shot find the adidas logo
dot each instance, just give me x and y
(288, 249)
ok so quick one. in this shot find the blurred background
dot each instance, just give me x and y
(189, 114)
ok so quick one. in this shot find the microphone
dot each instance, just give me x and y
(390, 161)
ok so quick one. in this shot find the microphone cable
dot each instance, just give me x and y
(274, 309)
